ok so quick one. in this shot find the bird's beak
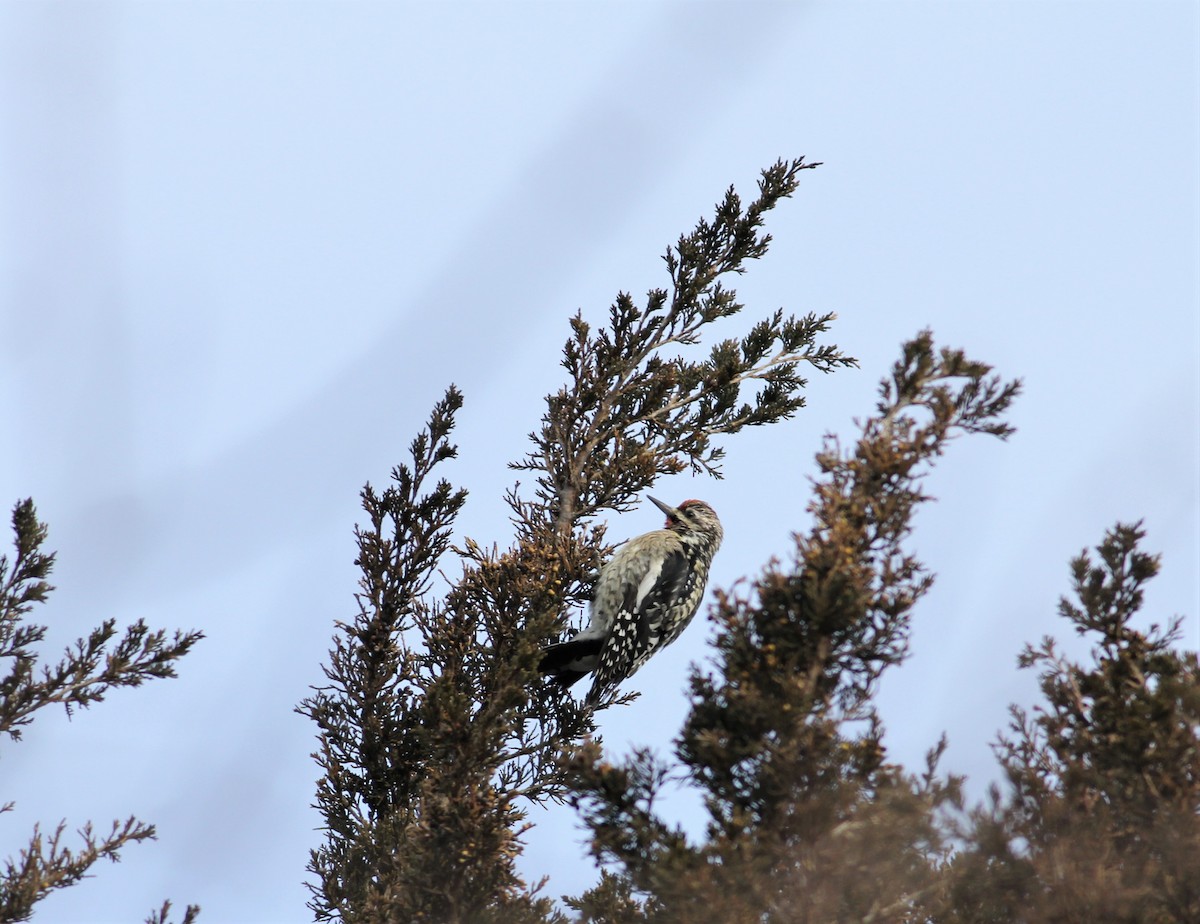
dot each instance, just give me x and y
(671, 512)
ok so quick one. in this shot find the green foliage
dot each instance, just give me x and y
(87, 671)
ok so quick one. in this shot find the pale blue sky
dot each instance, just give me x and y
(244, 246)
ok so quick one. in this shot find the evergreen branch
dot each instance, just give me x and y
(434, 724)
(795, 799)
(162, 915)
(46, 865)
(88, 670)
(633, 412)
(84, 676)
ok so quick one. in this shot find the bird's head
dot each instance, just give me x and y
(692, 516)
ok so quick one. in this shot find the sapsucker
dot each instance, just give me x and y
(644, 598)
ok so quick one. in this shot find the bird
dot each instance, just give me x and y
(644, 598)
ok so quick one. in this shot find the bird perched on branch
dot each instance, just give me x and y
(644, 598)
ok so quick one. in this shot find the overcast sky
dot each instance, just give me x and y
(245, 246)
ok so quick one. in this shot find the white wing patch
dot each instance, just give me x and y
(646, 586)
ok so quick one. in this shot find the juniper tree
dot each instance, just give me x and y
(1101, 818)
(436, 734)
(435, 731)
(808, 821)
(86, 673)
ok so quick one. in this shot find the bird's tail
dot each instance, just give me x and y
(567, 662)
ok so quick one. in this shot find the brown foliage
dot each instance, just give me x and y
(808, 821)
(87, 671)
(434, 727)
(436, 732)
(1102, 820)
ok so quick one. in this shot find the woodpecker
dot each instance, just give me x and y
(645, 596)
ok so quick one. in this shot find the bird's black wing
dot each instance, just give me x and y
(632, 641)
